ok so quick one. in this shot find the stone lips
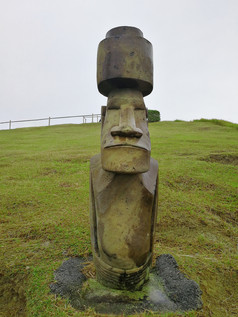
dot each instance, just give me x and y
(125, 159)
(125, 60)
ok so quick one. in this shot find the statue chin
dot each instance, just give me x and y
(125, 159)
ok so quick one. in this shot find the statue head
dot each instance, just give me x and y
(125, 75)
(125, 140)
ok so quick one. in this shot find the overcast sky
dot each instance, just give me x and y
(48, 52)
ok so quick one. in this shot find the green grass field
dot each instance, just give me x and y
(44, 213)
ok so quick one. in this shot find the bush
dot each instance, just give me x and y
(153, 115)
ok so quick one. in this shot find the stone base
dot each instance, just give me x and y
(167, 290)
(115, 278)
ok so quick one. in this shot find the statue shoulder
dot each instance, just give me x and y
(99, 177)
(154, 165)
(150, 178)
(95, 161)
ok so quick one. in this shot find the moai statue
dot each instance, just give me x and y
(124, 177)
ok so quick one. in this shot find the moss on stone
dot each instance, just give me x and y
(93, 288)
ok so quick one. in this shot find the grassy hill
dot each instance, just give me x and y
(44, 194)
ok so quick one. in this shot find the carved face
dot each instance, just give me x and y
(125, 139)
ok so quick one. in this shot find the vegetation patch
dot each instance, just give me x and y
(224, 215)
(12, 294)
(89, 270)
(222, 158)
(222, 123)
(153, 115)
(188, 183)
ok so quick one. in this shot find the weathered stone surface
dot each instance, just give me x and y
(123, 214)
(123, 190)
(125, 60)
(125, 139)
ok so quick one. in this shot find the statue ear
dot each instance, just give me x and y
(103, 113)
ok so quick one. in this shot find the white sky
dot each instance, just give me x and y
(48, 54)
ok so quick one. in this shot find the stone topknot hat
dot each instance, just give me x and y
(125, 61)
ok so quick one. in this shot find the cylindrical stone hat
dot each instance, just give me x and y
(125, 60)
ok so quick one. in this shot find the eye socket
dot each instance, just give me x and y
(113, 107)
(139, 106)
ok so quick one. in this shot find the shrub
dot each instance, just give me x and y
(153, 115)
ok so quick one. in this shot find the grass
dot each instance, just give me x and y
(220, 122)
(44, 193)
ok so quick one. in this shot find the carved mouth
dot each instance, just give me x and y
(125, 145)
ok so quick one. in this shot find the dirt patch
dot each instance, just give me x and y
(12, 296)
(4, 164)
(28, 233)
(224, 215)
(193, 141)
(188, 183)
(48, 171)
(204, 128)
(186, 154)
(66, 185)
(222, 159)
(75, 159)
(22, 204)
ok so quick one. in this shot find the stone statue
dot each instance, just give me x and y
(123, 198)
(124, 177)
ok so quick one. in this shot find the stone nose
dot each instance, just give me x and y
(126, 131)
(127, 125)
